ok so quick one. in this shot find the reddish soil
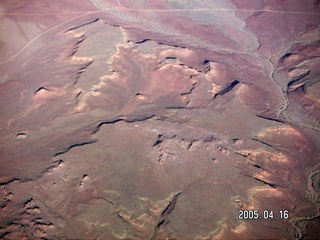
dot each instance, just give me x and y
(159, 119)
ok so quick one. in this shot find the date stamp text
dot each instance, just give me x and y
(265, 214)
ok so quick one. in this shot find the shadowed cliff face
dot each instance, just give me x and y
(159, 119)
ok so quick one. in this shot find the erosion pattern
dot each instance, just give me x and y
(159, 119)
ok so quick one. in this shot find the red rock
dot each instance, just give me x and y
(159, 119)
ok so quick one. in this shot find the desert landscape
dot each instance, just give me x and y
(165, 119)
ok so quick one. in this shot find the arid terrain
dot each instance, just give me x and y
(164, 119)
